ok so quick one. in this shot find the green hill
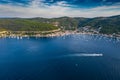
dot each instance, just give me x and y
(25, 25)
(108, 25)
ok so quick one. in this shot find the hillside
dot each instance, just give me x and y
(107, 25)
(25, 25)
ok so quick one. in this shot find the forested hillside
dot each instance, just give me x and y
(108, 25)
(25, 25)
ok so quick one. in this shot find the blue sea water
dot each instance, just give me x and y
(70, 57)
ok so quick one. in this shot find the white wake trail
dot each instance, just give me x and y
(83, 55)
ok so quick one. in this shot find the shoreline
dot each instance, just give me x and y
(57, 33)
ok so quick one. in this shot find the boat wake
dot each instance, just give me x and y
(83, 55)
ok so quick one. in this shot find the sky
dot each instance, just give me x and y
(59, 8)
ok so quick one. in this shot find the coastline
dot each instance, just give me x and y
(54, 33)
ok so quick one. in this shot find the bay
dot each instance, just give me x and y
(72, 57)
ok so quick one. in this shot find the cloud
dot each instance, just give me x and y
(37, 8)
(36, 3)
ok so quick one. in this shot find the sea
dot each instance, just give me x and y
(71, 57)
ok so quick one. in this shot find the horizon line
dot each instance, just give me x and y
(58, 17)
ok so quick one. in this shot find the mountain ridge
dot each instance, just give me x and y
(109, 25)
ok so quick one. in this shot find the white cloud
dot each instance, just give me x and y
(37, 3)
(37, 8)
(62, 3)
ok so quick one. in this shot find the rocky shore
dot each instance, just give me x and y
(18, 34)
(55, 33)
